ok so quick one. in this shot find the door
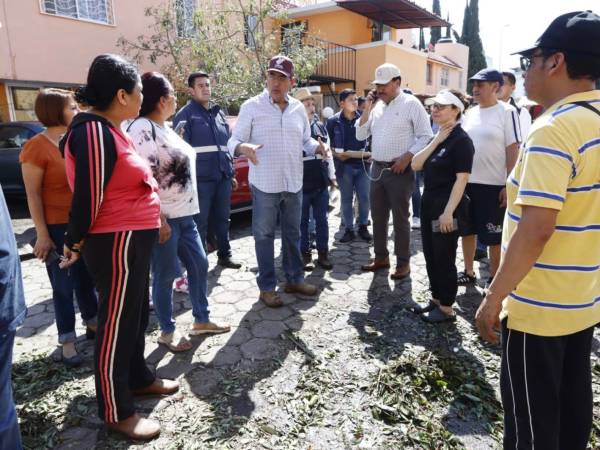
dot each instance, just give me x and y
(12, 139)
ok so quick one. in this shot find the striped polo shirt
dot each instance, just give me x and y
(559, 168)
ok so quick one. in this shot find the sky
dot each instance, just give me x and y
(507, 26)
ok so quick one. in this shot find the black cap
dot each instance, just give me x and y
(488, 75)
(578, 32)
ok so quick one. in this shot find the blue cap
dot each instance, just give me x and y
(488, 75)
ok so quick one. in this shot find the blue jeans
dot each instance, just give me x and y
(354, 179)
(10, 436)
(76, 279)
(185, 244)
(317, 202)
(214, 198)
(266, 208)
(416, 195)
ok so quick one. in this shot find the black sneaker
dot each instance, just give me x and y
(364, 234)
(307, 261)
(228, 263)
(348, 236)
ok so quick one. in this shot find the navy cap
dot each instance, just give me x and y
(488, 75)
(578, 32)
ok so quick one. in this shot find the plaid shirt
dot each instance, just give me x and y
(284, 136)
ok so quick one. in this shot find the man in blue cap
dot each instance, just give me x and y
(494, 128)
(12, 314)
(545, 295)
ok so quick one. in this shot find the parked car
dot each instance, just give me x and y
(241, 199)
(13, 136)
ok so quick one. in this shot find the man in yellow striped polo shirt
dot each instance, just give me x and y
(546, 294)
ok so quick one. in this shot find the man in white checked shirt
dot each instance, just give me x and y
(272, 131)
(399, 127)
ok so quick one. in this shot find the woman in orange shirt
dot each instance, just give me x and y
(49, 200)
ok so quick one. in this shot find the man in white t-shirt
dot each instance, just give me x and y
(506, 95)
(494, 128)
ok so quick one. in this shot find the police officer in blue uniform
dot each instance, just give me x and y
(206, 130)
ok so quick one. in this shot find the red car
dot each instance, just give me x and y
(241, 198)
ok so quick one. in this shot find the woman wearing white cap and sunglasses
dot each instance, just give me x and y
(446, 164)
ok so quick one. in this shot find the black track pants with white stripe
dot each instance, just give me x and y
(546, 387)
(120, 265)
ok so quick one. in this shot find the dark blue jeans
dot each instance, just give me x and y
(185, 244)
(10, 436)
(76, 279)
(416, 195)
(319, 201)
(214, 198)
(266, 209)
(354, 179)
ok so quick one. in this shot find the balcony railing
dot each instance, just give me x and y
(339, 64)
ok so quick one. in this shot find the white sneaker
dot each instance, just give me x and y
(416, 223)
(181, 285)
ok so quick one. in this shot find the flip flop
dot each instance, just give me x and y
(174, 342)
(424, 309)
(438, 316)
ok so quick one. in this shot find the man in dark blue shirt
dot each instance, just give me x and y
(206, 130)
(12, 314)
(352, 172)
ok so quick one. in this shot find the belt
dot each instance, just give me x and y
(385, 163)
(312, 158)
(209, 149)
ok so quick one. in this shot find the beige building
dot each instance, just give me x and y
(46, 43)
(359, 35)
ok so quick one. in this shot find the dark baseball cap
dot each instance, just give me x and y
(578, 32)
(281, 64)
(488, 75)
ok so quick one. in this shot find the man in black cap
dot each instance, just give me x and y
(494, 128)
(545, 295)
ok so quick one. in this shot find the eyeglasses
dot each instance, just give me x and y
(527, 61)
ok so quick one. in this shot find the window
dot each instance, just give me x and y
(14, 137)
(23, 101)
(291, 36)
(250, 29)
(445, 75)
(428, 73)
(94, 10)
(380, 32)
(184, 15)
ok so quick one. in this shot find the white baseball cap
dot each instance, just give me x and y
(327, 112)
(445, 97)
(385, 73)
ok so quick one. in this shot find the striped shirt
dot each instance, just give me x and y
(284, 136)
(559, 168)
(396, 128)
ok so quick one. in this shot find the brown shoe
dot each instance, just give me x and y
(136, 428)
(301, 288)
(199, 328)
(270, 298)
(159, 386)
(375, 265)
(323, 261)
(401, 272)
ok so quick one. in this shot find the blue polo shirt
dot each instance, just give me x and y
(343, 135)
(12, 298)
(207, 131)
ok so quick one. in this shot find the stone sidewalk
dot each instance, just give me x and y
(245, 389)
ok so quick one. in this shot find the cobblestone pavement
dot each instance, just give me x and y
(240, 390)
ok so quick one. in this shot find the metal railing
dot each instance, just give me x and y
(339, 64)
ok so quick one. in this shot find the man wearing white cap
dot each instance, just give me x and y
(399, 127)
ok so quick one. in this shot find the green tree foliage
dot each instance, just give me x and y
(233, 41)
(470, 37)
(421, 39)
(436, 32)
